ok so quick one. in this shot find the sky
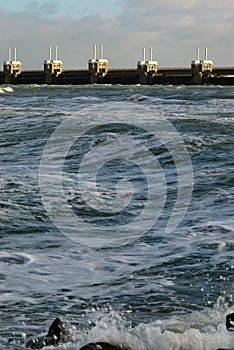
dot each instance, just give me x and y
(173, 28)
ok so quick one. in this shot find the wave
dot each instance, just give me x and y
(16, 258)
(203, 330)
(199, 330)
(6, 89)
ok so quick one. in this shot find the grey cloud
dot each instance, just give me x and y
(173, 33)
(49, 7)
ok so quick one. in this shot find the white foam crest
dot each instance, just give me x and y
(8, 89)
(197, 331)
(227, 224)
(20, 258)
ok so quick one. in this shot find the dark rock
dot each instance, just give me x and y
(230, 322)
(103, 346)
(56, 335)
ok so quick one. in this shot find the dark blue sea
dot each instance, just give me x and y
(116, 214)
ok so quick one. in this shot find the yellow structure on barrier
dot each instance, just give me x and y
(146, 68)
(11, 68)
(201, 68)
(98, 67)
(52, 67)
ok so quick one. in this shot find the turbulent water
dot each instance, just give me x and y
(117, 214)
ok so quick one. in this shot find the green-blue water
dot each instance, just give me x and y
(90, 178)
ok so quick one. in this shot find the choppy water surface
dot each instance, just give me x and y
(158, 290)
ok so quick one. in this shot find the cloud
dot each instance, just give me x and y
(171, 6)
(42, 9)
(49, 8)
(173, 28)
